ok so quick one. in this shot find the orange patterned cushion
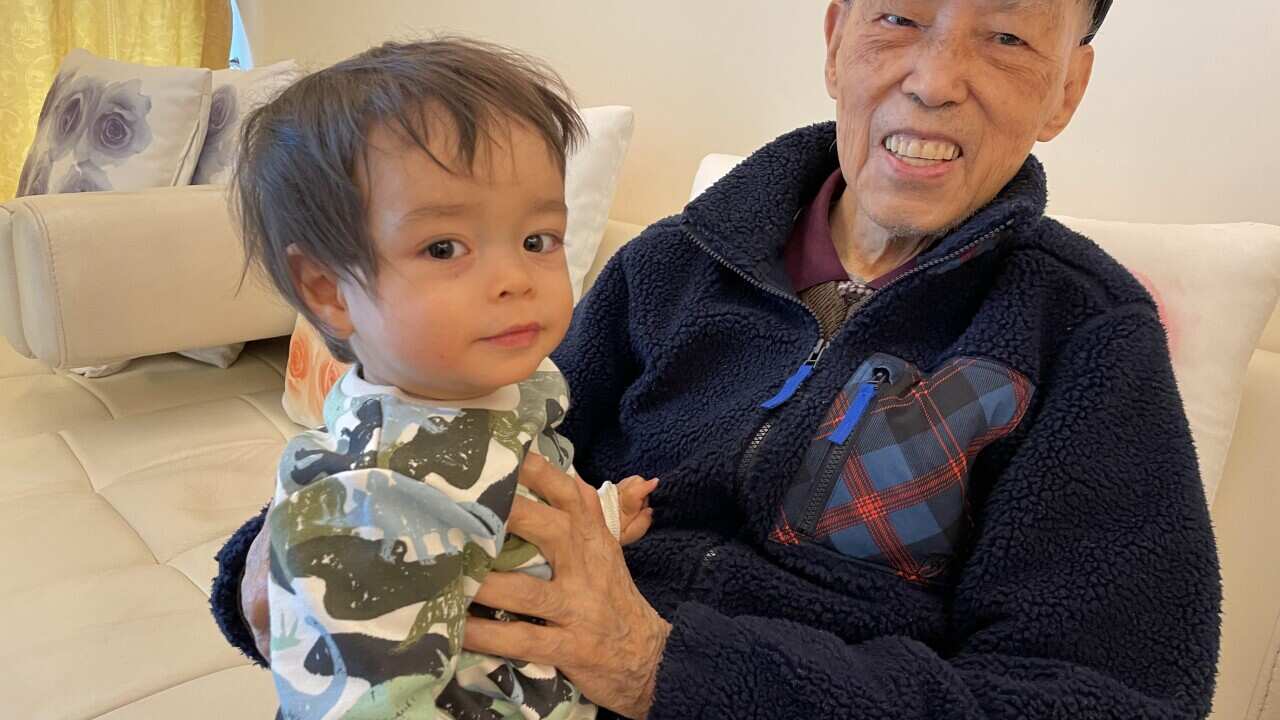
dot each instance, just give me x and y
(312, 372)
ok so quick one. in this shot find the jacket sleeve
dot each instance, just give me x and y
(1092, 587)
(597, 359)
(224, 597)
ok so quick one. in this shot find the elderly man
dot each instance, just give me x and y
(921, 450)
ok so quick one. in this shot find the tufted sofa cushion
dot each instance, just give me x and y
(119, 492)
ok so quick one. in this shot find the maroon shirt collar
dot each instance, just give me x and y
(810, 253)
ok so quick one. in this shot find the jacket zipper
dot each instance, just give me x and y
(806, 369)
(861, 403)
(755, 283)
(753, 448)
(797, 378)
(945, 258)
(838, 448)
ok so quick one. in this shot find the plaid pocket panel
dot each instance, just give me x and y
(895, 492)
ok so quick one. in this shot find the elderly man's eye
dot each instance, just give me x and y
(898, 21)
(1009, 40)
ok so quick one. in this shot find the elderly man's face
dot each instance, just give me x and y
(939, 102)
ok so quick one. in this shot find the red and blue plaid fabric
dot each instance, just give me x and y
(895, 492)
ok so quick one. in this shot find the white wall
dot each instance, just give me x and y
(1179, 126)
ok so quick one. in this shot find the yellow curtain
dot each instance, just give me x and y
(36, 34)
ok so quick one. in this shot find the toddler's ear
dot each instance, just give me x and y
(319, 288)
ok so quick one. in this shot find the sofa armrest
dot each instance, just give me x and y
(1244, 518)
(10, 308)
(106, 276)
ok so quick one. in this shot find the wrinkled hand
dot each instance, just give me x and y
(253, 591)
(633, 507)
(600, 632)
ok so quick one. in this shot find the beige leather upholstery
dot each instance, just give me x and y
(48, 401)
(168, 259)
(111, 519)
(1271, 336)
(1245, 516)
(117, 492)
(10, 307)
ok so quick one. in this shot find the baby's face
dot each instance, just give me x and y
(473, 287)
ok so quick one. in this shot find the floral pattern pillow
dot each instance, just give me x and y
(109, 125)
(235, 93)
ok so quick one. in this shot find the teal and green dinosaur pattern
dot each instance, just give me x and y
(382, 529)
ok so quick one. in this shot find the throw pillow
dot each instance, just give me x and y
(311, 372)
(590, 181)
(108, 125)
(591, 177)
(235, 93)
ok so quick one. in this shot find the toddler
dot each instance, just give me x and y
(409, 202)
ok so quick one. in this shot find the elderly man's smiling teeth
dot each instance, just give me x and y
(920, 153)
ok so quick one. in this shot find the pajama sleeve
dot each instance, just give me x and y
(372, 573)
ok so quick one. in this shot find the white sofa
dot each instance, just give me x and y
(118, 491)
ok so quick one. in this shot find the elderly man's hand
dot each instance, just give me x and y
(253, 591)
(600, 632)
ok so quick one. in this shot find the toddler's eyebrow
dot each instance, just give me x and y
(436, 210)
(550, 205)
(455, 209)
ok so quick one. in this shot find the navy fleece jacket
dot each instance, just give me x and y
(981, 500)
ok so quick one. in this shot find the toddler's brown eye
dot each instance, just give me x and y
(445, 249)
(541, 243)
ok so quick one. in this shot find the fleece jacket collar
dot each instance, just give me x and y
(745, 218)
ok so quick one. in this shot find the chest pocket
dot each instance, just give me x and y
(886, 478)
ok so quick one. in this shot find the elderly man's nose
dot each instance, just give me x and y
(940, 74)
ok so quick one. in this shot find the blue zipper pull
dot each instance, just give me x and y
(861, 402)
(797, 378)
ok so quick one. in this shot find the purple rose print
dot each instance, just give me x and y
(222, 111)
(222, 115)
(55, 92)
(84, 177)
(71, 112)
(118, 129)
(25, 176)
(35, 177)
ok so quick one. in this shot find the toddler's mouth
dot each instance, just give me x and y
(516, 336)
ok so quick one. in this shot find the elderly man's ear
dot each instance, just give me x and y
(1079, 71)
(834, 30)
